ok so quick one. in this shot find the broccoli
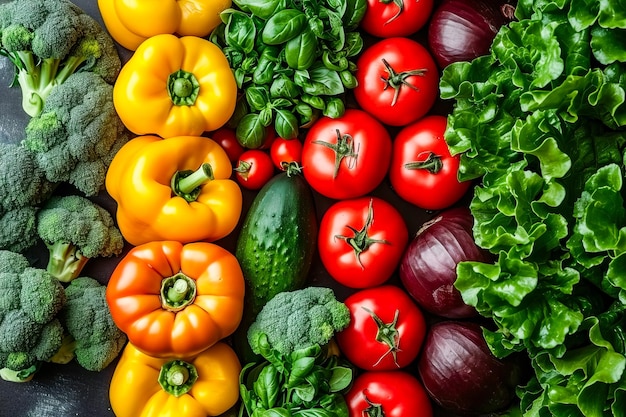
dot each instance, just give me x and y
(18, 229)
(49, 40)
(30, 330)
(78, 133)
(299, 319)
(93, 338)
(76, 229)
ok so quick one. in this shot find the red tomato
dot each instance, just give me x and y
(422, 170)
(387, 19)
(286, 151)
(254, 168)
(361, 241)
(228, 140)
(386, 329)
(389, 394)
(346, 157)
(398, 81)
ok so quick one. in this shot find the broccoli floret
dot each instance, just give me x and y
(94, 338)
(22, 182)
(76, 229)
(298, 319)
(30, 331)
(18, 229)
(47, 41)
(78, 133)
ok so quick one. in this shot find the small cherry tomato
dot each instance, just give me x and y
(389, 394)
(228, 140)
(346, 157)
(286, 151)
(398, 81)
(422, 170)
(386, 329)
(254, 168)
(361, 241)
(389, 18)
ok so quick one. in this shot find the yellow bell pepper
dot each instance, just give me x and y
(204, 385)
(173, 189)
(174, 87)
(130, 22)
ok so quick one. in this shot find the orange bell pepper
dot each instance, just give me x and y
(175, 86)
(199, 386)
(175, 300)
(157, 199)
(130, 22)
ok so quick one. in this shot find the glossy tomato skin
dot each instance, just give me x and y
(227, 139)
(401, 99)
(386, 20)
(358, 341)
(422, 187)
(375, 228)
(254, 168)
(362, 168)
(397, 393)
(285, 151)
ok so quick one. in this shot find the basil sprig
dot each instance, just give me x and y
(293, 61)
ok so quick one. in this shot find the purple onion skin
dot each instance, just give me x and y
(428, 267)
(460, 373)
(461, 30)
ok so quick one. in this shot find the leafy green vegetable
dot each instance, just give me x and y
(285, 52)
(541, 121)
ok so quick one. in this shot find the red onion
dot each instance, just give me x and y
(428, 267)
(461, 30)
(461, 374)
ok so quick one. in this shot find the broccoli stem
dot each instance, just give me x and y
(23, 375)
(187, 184)
(66, 352)
(65, 262)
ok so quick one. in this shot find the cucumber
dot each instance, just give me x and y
(277, 241)
(275, 247)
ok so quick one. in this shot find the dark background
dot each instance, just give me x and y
(69, 390)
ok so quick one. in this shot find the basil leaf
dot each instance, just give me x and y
(341, 378)
(319, 80)
(300, 51)
(300, 368)
(240, 32)
(335, 108)
(261, 8)
(354, 13)
(283, 25)
(250, 131)
(257, 97)
(284, 87)
(286, 124)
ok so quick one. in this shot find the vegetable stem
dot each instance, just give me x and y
(343, 148)
(432, 163)
(183, 88)
(396, 80)
(188, 184)
(177, 292)
(177, 377)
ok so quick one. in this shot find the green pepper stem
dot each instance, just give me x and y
(183, 88)
(177, 292)
(177, 377)
(187, 184)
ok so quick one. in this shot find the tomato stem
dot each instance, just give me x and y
(373, 409)
(399, 3)
(387, 334)
(183, 88)
(177, 377)
(398, 79)
(361, 241)
(177, 292)
(344, 148)
(433, 163)
(187, 184)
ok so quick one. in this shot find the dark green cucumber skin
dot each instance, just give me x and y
(277, 241)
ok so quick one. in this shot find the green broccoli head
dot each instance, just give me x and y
(294, 320)
(22, 182)
(30, 331)
(49, 40)
(18, 229)
(77, 134)
(95, 339)
(76, 229)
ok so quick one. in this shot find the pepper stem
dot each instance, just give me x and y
(344, 148)
(177, 292)
(361, 241)
(432, 163)
(183, 88)
(387, 334)
(396, 80)
(177, 377)
(187, 184)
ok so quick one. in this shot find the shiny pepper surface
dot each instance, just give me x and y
(174, 87)
(173, 189)
(198, 386)
(175, 300)
(130, 22)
